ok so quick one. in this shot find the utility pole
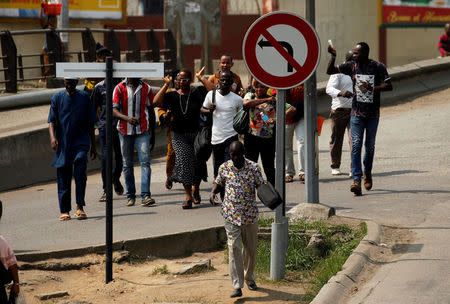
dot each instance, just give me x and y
(64, 23)
(311, 136)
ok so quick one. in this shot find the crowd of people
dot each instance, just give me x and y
(355, 88)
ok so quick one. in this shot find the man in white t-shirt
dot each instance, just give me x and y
(223, 110)
(340, 88)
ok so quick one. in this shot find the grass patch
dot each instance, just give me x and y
(305, 264)
(160, 270)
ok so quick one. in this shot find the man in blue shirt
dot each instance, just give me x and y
(71, 127)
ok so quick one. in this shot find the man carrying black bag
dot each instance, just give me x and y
(223, 107)
(239, 177)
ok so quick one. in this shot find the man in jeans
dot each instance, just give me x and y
(132, 101)
(239, 177)
(340, 88)
(369, 79)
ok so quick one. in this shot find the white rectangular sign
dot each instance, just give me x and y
(120, 70)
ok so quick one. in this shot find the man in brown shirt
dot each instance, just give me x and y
(225, 64)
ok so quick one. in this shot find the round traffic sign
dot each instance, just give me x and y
(281, 50)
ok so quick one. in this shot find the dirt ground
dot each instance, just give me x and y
(139, 283)
(155, 281)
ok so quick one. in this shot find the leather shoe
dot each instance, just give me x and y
(252, 286)
(236, 293)
(367, 180)
(356, 187)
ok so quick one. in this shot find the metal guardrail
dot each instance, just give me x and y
(13, 67)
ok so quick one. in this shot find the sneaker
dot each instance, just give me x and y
(350, 174)
(252, 286)
(131, 202)
(236, 293)
(336, 171)
(367, 180)
(147, 201)
(356, 187)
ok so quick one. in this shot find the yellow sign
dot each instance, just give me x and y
(78, 9)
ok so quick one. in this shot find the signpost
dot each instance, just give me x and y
(109, 71)
(281, 50)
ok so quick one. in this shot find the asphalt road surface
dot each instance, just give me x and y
(411, 189)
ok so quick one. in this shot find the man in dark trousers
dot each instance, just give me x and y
(71, 127)
(369, 79)
(98, 97)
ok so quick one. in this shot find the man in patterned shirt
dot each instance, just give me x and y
(240, 177)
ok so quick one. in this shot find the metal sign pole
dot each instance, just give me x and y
(312, 167)
(279, 240)
(109, 194)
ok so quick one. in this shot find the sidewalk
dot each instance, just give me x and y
(411, 190)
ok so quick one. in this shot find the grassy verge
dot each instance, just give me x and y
(307, 265)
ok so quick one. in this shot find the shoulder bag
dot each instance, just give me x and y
(202, 142)
(269, 196)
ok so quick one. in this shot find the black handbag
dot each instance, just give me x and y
(269, 196)
(202, 142)
(241, 121)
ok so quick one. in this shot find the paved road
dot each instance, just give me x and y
(411, 189)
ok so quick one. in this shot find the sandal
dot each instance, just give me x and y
(80, 215)
(64, 217)
(103, 197)
(169, 183)
(187, 205)
(289, 179)
(197, 198)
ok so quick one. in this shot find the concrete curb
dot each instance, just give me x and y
(164, 246)
(339, 284)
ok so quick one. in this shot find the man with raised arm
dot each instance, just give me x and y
(369, 79)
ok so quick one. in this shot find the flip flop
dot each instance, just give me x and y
(64, 217)
(80, 215)
(103, 198)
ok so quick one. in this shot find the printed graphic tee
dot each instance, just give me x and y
(366, 103)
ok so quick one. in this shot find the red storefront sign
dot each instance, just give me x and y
(394, 14)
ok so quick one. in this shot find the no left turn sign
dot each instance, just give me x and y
(281, 50)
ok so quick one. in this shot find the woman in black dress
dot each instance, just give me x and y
(185, 104)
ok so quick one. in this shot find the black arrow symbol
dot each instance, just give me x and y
(284, 44)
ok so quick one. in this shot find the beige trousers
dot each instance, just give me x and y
(242, 261)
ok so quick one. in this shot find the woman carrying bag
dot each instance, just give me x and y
(260, 139)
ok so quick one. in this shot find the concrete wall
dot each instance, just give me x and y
(25, 158)
(406, 45)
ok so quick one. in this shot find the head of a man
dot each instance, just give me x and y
(349, 56)
(185, 78)
(134, 82)
(71, 85)
(361, 52)
(447, 29)
(102, 53)
(226, 62)
(225, 82)
(237, 154)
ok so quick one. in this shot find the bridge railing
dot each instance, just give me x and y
(13, 66)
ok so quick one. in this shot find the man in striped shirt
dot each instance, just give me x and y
(132, 101)
(444, 42)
